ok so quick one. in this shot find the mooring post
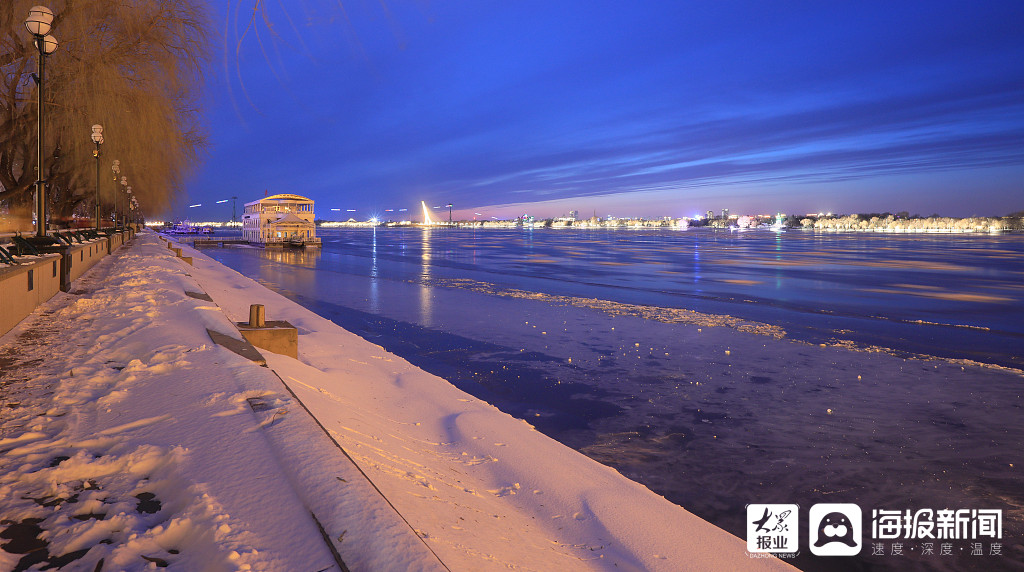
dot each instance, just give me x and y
(257, 316)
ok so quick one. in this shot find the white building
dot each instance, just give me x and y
(280, 220)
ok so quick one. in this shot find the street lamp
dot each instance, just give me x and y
(38, 24)
(135, 210)
(449, 205)
(128, 198)
(116, 168)
(97, 138)
(124, 187)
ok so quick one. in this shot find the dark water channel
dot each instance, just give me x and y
(614, 343)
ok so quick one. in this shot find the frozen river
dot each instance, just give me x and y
(713, 366)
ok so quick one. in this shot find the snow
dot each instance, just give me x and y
(128, 436)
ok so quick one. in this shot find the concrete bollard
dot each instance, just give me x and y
(278, 336)
(257, 316)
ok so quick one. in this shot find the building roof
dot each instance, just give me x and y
(280, 198)
(290, 219)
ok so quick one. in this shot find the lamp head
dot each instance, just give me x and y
(39, 20)
(49, 44)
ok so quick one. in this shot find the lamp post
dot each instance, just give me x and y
(124, 189)
(129, 216)
(97, 138)
(116, 169)
(134, 205)
(38, 24)
(449, 205)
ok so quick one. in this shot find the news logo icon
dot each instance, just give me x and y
(772, 528)
(835, 529)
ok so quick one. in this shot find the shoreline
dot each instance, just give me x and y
(438, 454)
(467, 225)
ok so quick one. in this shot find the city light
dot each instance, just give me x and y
(195, 205)
(223, 201)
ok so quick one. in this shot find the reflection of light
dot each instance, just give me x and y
(426, 214)
(426, 296)
(778, 258)
(696, 264)
(374, 295)
(335, 209)
(224, 201)
(195, 205)
(350, 210)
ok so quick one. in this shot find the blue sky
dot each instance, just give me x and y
(632, 109)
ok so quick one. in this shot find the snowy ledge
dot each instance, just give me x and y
(396, 469)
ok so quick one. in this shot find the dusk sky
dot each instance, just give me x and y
(641, 108)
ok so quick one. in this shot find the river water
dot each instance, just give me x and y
(718, 368)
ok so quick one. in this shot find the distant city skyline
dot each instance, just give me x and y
(655, 109)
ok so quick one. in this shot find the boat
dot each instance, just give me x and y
(280, 220)
(183, 227)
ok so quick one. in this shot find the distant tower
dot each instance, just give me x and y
(426, 214)
(725, 213)
(711, 215)
(574, 215)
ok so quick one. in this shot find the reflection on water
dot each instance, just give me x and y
(306, 257)
(374, 290)
(426, 295)
(606, 341)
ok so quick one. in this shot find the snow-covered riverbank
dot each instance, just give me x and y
(129, 436)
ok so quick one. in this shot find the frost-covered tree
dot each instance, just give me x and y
(133, 66)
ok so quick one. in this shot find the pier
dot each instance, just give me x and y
(197, 242)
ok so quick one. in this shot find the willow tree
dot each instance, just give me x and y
(133, 66)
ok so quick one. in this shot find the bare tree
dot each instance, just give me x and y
(133, 66)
